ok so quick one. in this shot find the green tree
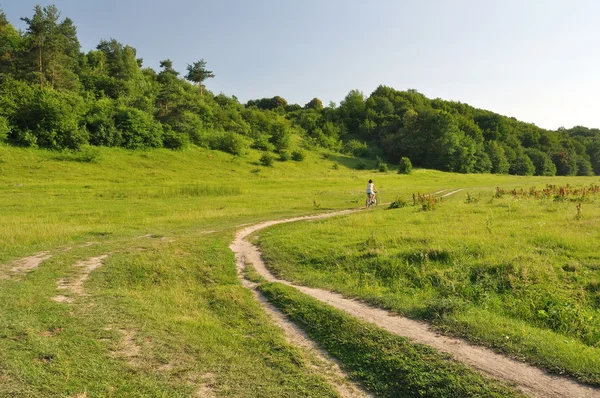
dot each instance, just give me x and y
(54, 46)
(522, 165)
(197, 73)
(10, 47)
(497, 155)
(566, 162)
(170, 89)
(584, 167)
(542, 162)
(314, 104)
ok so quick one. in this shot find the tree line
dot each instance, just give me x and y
(53, 95)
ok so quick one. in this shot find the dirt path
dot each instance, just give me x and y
(319, 360)
(528, 379)
(452, 193)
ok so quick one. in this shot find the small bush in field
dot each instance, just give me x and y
(383, 167)
(398, 203)
(298, 156)
(229, 142)
(284, 155)
(267, 159)
(405, 166)
(361, 165)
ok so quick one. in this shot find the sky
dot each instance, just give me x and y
(536, 60)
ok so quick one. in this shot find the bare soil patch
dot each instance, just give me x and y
(75, 286)
(25, 265)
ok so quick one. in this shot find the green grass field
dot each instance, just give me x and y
(516, 273)
(166, 316)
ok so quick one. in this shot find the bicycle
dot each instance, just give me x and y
(371, 201)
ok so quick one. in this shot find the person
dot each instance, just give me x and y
(370, 190)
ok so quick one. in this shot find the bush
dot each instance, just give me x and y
(229, 142)
(138, 129)
(267, 159)
(174, 140)
(398, 203)
(356, 148)
(281, 137)
(285, 155)
(261, 142)
(48, 119)
(383, 167)
(405, 166)
(100, 123)
(190, 124)
(298, 156)
(361, 165)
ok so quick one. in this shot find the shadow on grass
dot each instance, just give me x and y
(351, 162)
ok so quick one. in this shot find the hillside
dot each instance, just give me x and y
(52, 95)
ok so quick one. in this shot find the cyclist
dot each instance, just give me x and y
(370, 191)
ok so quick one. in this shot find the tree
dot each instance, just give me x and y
(497, 155)
(169, 91)
(566, 162)
(10, 43)
(55, 47)
(197, 73)
(542, 162)
(315, 104)
(522, 166)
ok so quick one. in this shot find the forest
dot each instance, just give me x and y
(55, 96)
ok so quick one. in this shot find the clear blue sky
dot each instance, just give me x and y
(536, 60)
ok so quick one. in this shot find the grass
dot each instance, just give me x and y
(516, 273)
(188, 320)
(165, 315)
(388, 365)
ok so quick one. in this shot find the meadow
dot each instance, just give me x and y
(514, 268)
(165, 314)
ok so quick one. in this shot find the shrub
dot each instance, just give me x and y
(335, 166)
(48, 119)
(298, 156)
(138, 129)
(174, 140)
(398, 203)
(355, 148)
(281, 136)
(285, 155)
(267, 159)
(383, 167)
(100, 123)
(229, 142)
(361, 165)
(405, 166)
(261, 142)
(192, 125)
